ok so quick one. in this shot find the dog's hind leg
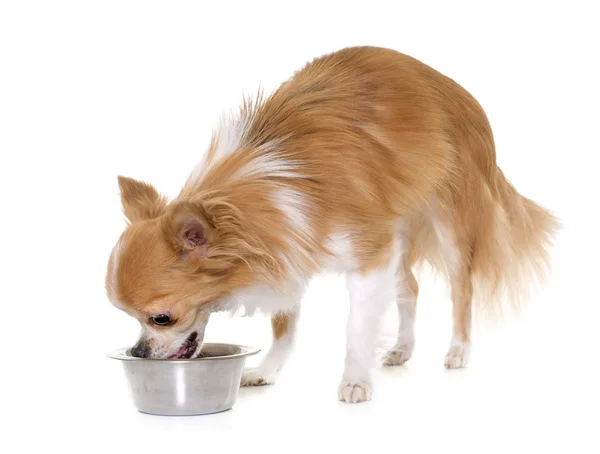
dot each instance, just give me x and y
(407, 291)
(458, 265)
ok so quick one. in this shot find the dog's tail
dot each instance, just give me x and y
(512, 257)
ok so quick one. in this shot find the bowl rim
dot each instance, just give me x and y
(122, 354)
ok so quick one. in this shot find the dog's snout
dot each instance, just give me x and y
(140, 350)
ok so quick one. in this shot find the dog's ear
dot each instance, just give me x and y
(188, 230)
(140, 200)
(211, 235)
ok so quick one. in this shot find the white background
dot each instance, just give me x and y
(89, 90)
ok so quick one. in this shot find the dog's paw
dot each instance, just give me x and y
(354, 392)
(257, 377)
(398, 355)
(457, 356)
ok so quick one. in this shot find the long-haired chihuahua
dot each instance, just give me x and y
(366, 162)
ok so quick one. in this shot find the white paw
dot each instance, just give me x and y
(354, 392)
(398, 355)
(457, 357)
(257, 377)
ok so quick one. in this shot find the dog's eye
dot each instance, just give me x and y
(162, 319)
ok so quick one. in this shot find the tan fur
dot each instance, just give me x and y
(375, 136)
(279, 324)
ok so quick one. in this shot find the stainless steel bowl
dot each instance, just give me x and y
(181, 387)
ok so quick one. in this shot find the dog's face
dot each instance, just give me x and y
(166, 271)
(146, 279)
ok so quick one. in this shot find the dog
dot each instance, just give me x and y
(365, 162)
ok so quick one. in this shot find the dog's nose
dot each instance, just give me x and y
(140, 350)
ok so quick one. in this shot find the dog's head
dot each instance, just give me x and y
(173, 265)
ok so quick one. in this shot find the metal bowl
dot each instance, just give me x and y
(183, 387)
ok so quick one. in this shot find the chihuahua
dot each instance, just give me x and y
(365, 162)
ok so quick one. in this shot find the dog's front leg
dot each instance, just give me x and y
(284, 332)
(371, 289)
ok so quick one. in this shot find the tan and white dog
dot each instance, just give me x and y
(365, 162)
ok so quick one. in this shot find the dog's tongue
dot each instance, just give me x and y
(182, 351)
(187, 348)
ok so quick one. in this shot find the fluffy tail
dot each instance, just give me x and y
(511, 258)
